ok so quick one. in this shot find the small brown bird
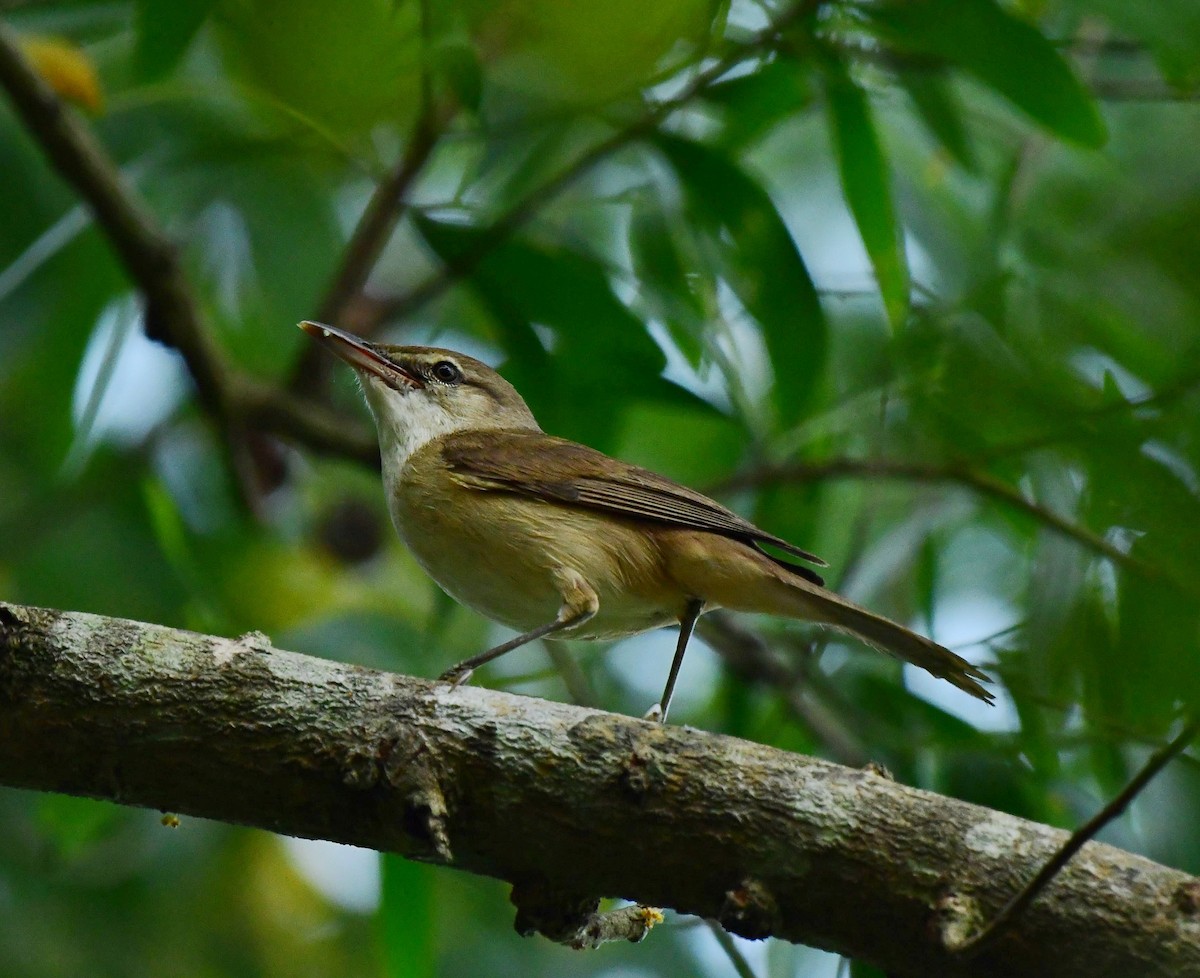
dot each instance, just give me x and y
(557, 540)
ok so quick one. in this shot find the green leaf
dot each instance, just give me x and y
(866, 184)
(1157, 629)
(927, 579)
(755, 103)
(665, 281)
(289, 228)
(601, 355)
(165, 28)
(1004, 52)
(761, 263)
(936, 105)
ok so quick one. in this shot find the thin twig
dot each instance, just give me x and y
(1141, 90)
(1085, 424)
(387, 204)
(732, 951)
(383, 212)
(1011, 910)
(979, 482)
(579, 687)
(370, 237)
(272, 408)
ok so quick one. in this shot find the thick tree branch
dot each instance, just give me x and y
(564, 801)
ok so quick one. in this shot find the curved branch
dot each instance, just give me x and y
(306, 422)
(564, 801)
(382, 213)
(172, 314)
(1079, 838)
(149, 257)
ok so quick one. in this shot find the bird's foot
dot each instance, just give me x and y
(654, 714)
(456, 676)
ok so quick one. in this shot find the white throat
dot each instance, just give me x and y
(406, 423)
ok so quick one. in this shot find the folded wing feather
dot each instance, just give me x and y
(535, 464)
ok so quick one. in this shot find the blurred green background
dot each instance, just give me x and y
(913, 284)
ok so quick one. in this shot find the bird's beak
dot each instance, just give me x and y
(361, 355)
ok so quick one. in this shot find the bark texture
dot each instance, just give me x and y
(566, 803)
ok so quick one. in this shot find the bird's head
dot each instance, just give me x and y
(418, 393)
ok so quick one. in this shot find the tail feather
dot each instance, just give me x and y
(706, 566)
(887, 636)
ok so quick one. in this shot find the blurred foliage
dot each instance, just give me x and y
(916, 276)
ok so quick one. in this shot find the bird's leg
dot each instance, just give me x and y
(580, 602)
(687, 622)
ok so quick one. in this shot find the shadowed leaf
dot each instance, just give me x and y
(866, 184)
(1006, 53)
(762, 264)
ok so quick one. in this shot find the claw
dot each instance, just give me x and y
(456, 677)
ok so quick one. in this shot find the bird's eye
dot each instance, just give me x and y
(446, 372)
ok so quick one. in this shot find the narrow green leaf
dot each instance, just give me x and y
(867, 186)
(1004, 52)
(927, 579)
(756, 102)
(1166, 673)
(171, 535)
(936, 105)
(664, 280)
(761, 263)
(450, 242)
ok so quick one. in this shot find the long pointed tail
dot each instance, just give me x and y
(887, 636)
(734, 576)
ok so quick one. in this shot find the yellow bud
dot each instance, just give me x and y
(66, 68)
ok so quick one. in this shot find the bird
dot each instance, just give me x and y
(557, 540)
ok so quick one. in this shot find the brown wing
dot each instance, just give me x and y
(540, 465)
